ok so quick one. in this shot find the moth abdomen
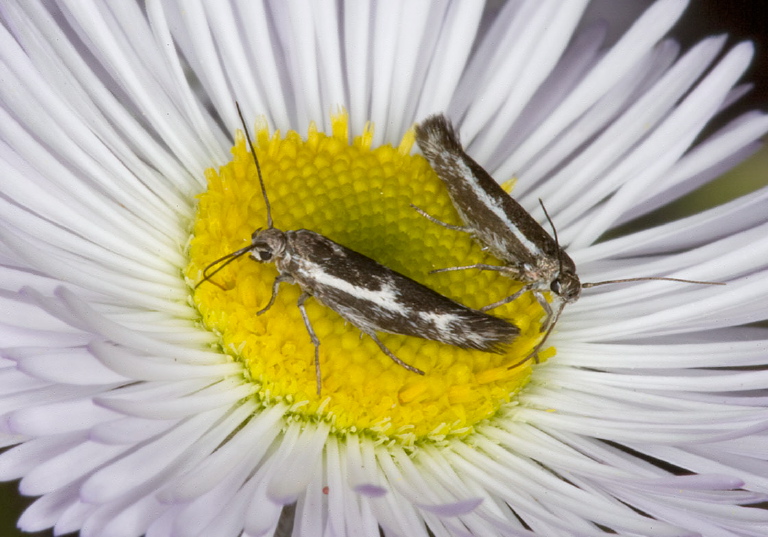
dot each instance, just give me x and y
(488, 334)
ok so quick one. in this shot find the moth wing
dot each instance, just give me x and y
(375, 298)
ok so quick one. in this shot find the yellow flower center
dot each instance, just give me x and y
(360, 197)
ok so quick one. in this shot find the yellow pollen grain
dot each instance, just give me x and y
(360, 197)
(509, 185)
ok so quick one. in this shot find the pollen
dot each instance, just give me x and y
(359, 196)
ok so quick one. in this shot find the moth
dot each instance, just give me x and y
(371, 296)
(504, 227)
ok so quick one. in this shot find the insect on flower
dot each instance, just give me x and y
(503, 226)
(371, 296)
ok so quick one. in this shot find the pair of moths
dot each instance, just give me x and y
(371, 296)
(377, 299)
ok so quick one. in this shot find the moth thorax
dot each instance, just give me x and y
(267, 245)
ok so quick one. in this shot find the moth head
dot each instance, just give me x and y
(267, 245)
(567, 286)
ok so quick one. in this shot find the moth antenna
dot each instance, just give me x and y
(554, 234)
(227, 259)
(595, 284)
(258, 167)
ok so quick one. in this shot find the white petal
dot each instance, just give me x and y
(63, 365)
(675, 134)
(118, 479)
(295, 465)
(67, 469)
(47, 510)
(176, 399)
(244, 449)
(140, 367)
(617, 136)
(633, 45)
(518, 69)
(19, 460)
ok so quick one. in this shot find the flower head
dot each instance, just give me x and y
(139, 402)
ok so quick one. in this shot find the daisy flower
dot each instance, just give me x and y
(135, 401)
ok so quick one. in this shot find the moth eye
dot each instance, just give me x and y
(262, 255)
(556, 287)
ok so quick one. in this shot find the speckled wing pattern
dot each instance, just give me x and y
(375, 298)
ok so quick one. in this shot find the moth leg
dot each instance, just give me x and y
(434, 220)
(546, 307)
(389, 353)
(316, 342)
(480, 266)
(551, 322)
(275, 286)
(533, 355)
(539, 298)
(507, 300)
